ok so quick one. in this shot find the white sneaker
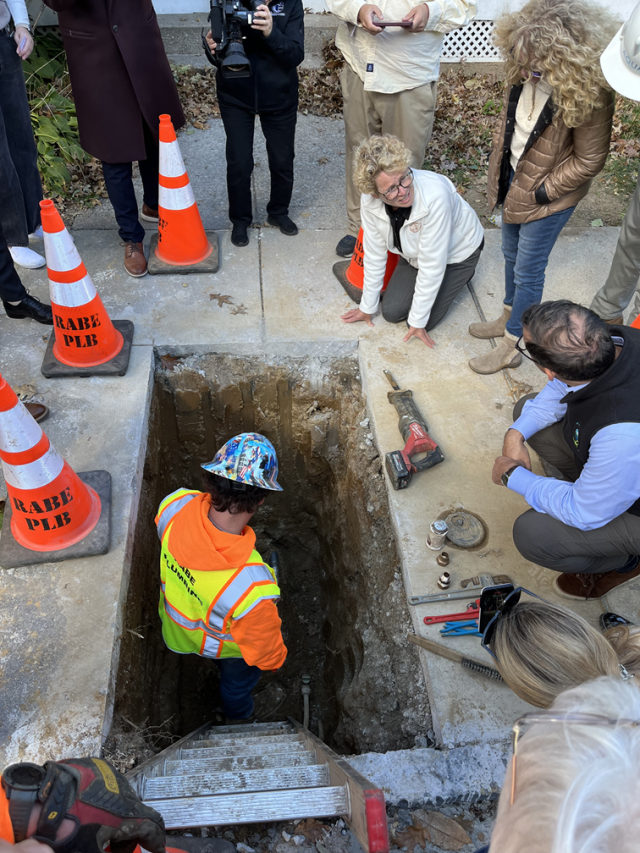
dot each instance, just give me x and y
(27, 258)
(38, 234)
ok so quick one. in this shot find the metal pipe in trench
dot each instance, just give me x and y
(306, 692)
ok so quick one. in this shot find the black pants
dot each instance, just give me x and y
(11, 288)
(279, 130)
(119, 180)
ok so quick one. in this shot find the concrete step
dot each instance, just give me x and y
(238, 762)
(254, 808)
(208, 784)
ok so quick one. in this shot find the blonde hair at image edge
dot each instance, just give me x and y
(577, 787)
(563, 39)
(375, 155)
(543, 649)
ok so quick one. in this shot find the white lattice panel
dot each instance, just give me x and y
(473, 43)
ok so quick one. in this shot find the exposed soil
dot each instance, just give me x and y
(343, 603)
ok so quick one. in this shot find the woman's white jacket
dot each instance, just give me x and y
(442, 229)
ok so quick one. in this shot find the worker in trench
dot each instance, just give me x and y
(218, 597)
(84, 805)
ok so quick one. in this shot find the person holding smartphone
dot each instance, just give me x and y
(274, 45)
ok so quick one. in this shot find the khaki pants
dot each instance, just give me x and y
(611, 300)
(407, 115)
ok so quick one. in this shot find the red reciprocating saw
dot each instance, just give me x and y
(415, 433)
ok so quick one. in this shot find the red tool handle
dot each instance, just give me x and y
(472, 612)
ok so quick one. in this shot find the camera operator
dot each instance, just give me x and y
(274, 44)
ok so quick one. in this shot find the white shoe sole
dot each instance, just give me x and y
(149, 218)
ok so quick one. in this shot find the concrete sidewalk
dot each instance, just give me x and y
(283, 294)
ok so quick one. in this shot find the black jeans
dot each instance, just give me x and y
(279, 130)
(11, 288)
(20, 186)
(119, 180)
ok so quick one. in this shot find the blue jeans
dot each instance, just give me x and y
(20, 186)
(237, 680)
(526, 249)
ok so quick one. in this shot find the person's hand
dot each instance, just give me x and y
(366, 16)
(419, 17)
(210, 42)
(22, 34)
(262, 20)
(514, 447)
(356, 316)
(29, 845)
(421, 334)
(501, 466)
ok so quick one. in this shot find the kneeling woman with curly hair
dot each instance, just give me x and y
(551, 141)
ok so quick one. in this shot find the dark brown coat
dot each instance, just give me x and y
(556, 168)
(119, 74)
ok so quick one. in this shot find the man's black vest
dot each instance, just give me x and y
(613, 398)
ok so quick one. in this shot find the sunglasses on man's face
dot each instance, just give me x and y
(503, 609)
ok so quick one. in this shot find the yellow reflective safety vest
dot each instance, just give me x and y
(196, 607)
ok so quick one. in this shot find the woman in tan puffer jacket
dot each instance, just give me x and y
(552, 140)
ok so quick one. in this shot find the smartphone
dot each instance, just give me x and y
(491, 600)
(384, 24)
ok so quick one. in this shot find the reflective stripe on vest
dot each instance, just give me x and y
(170, 506)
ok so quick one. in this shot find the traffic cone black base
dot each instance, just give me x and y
(340, 271)
(210, 264)
(54, 369)
(13, 555)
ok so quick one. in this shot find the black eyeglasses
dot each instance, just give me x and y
(522, 349)
(404, 183)
(506, 607)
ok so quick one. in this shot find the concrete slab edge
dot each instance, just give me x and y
(432, 777)
(291, 349)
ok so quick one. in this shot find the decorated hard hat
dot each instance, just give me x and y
(248, 458)
(621, 59)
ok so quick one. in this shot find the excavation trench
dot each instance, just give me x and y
(343, 603)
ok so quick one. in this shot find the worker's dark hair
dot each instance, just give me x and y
(569, 339)
(226, 496)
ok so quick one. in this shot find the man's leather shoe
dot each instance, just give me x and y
(239, 235)
(32, 308)
(346, 246)
(286, 225)
(38, 411)
(590, 587)
(135, 262)
(149, 214)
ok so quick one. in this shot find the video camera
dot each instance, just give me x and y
(226, 18)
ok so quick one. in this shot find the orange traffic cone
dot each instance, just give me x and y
(636, 323)
(51, 508)
(350, 274)
(181, 242)
(84, 335)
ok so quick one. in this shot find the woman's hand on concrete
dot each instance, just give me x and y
(356, 316)
(366, 15)
(419, 17)
(210, 42)
(21, 35)
(262, 20)
(421, 334)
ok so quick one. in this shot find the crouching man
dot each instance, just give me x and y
(217, 596)
(584, 523)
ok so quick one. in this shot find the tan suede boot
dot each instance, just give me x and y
(504, 355)
(492, 329)
(616, 321)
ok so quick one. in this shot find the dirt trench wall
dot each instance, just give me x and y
(343, 604)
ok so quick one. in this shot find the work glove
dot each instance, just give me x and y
(100, 801)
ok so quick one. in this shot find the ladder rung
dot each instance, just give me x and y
(165, 787)
(240, 742)
(249, 748)
(251, 730)
(253, 808)
(238, 762)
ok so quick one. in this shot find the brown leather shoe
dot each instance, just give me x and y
(590, 587)
(135, 262)
(149, 214)
(38, 411)
(616, 321)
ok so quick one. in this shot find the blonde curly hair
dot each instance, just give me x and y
(375, 155)
(563, 40)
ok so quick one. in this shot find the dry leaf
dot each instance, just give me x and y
(412, 836)
(443, 831)
(169, 361)
(312, 830)
(239, 309)
(222, 298)
(24, 392)
(323, 161)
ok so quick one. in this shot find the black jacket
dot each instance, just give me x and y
(273, 85)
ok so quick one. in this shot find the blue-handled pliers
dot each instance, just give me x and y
(458, 628)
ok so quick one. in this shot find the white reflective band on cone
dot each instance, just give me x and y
(171, 162)
(18, 430)
(33, 475)
(72, 294)
(60, 251)
(179, 198)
